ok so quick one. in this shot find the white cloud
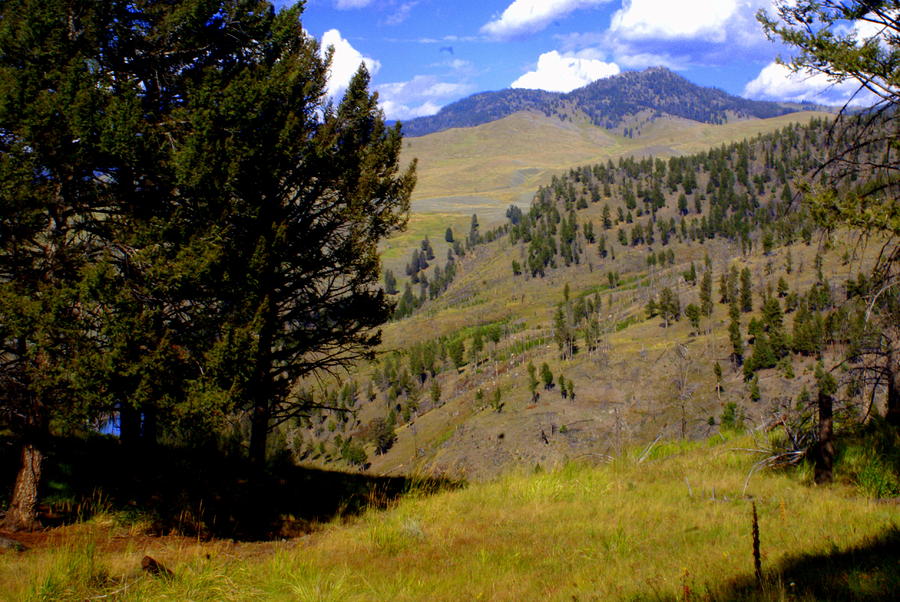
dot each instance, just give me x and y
(349, 4)
(398, 111)
(777, 82)
(345, 62)
(665, 19)
(422, 95)
(563, 73)
(402, 13)
(639, 60)
(529, 16)
(684, 33)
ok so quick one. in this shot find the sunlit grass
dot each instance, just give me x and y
(646, 525)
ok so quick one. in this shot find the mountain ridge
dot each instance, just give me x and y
(606, 103)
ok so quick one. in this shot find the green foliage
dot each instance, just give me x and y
(435, 392)
(382, 434)
(706, 304)
(532, 378)
(692, 311)
(456, 351)
(754, 392)
(546, 376)
(870, 458)
(746, 290)
(189, 207)
(353, 453)
(732, 418)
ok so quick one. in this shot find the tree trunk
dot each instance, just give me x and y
(150, 427)
(825, 447)
(22, 513)
(892, 414)
(259, 432)
(129, 424)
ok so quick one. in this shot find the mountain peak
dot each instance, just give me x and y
(607, 102)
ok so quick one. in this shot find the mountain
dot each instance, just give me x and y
(607, 103)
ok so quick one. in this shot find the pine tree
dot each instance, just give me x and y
(532, 381)
(692, 311)
(546, 376)
(706, 303)
(746, 290)
(303, 259)
(456, 350)
(435, 392)
(737, 341)
(390, 283)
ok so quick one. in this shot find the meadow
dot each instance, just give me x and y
(670, 521)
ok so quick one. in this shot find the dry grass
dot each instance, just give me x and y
(677, 523)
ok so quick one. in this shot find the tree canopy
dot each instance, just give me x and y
(188, 223)
(858, 185)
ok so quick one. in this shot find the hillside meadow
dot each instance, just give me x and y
(670, 521)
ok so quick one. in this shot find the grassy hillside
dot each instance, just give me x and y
(670, 522)
(642, 378)
(485, 168)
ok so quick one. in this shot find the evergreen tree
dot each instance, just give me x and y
(456, 350)
(390, 283)
(474, 236)
(532, 381)
(737, 341)
(305, 256)
(669, 306)
(746, 290)
(692, 311)
(546, 376)
(435, 392)
(706, 304)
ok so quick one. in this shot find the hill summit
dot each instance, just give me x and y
(608, 103)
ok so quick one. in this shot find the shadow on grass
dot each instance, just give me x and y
(867, 571)
(204, 492)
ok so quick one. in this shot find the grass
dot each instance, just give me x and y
(486, 168)
(671, 526)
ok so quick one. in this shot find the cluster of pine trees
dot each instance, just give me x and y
(188, 224)
(730, 192)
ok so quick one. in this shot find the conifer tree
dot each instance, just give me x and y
(532, 381)
(706, 303)
(546, 376)
(746, 290)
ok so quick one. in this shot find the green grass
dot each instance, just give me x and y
(665, 525)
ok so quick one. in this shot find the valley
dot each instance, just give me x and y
(634, 340)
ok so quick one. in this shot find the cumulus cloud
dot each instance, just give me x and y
(777, 82)
(685, 33)
(420, 96)
(345, 62)
(557, 72)
(664, 19)
(530, 16)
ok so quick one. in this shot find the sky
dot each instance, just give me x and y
(425, 54)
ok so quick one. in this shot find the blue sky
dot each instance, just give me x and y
(424, 54)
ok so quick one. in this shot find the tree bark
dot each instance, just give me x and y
(892, 413)
(22, 513)
(129, 424)
(259, 432)
(825, 447)
(150, 426)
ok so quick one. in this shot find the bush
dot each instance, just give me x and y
(732, 418)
